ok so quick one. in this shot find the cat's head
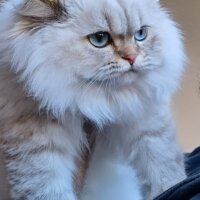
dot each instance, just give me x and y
(99, 57)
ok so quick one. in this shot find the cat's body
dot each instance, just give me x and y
(53, 77)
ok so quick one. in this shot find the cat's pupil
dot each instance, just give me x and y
(99, 37)
(141, 32)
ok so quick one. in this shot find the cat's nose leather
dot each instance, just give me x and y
(130, 58)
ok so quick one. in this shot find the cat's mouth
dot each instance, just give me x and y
(123, 73)
(113, 75)
(120, 74)
(114, 71)
(134, 70)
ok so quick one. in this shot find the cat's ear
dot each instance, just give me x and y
(43, 10)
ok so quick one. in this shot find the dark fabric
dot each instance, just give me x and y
(188, 189)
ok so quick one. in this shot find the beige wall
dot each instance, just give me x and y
(187, 102)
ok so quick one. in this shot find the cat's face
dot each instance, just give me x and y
(86, 53)
(115, 41)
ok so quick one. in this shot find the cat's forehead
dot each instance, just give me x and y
(121, 17)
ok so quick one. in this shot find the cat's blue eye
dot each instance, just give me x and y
(142, 34)
(100, 39)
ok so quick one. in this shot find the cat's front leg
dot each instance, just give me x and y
(110, 175)
(40, 164)
(159, 161)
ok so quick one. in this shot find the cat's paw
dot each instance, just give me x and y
(114, 182)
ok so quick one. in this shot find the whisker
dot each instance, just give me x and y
(102, 83)
(107, 91)
(92, 82)
(82, 83)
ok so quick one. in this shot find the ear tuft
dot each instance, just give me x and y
(42, 10)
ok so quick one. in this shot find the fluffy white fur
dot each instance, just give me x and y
(49, 56)
(68, 77)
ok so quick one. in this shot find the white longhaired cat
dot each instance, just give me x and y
(114, 63)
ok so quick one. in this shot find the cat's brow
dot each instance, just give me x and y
(117, 22)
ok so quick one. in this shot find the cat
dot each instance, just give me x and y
(114, 63)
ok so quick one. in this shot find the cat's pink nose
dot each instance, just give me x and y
(130, 58)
